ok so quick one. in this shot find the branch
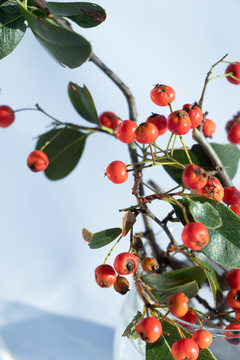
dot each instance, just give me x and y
(216, 162)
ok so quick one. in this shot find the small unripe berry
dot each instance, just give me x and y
(231, 195)
(105, 275)
(146, 133)
(159, 121)
(125, 131)
(195, 236)
(117, 172)
(185, 349)
(235, 69)
(37, 161)
(7, 116)
(213, 189)
(178, 122)
(194, 177)
(233, 299)
(121, 285)
(149, 329)
(109, 119)
(178, 304)
(162, 95)
(202, 338)
(233, 279)
(209, 128)
(125, 263)
(149, 265)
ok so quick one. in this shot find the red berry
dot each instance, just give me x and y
(146, 133)
(202, 338)
(185, 349)
(195, 114)
(105, 275)
(194, 177)
(209, 128)
(233, 299)
(231, 195)
(125, 131)
(117, 172)
(236, 209)
(190, 317)
(195, 236)
(149, 329)
(162, 95)
(109, 119)
(37, 161)
(234, 134)
(237, 314)
(178, 304)
(233, 337)
(235, 69)
(159, 121)
(7, 116)
(178, 122)
(233, 279)
(213, 189)
(125, 263)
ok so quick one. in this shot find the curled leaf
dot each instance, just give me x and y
(128, 221)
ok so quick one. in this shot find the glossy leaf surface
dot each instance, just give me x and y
(12, 27)
(66, 46)
(83, 103)
(206, 214)
(84, 14)
(102, 238)
(64, 151)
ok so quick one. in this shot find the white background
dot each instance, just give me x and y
(44, 261)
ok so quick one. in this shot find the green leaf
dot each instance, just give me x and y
(184, 280)
(175, 278)
(161, 349)
(224, 243)
(190, 289)
(130, 329)
(84, 14)
(229, 154)
(206, 214)
(66, 46)
(64, 150)
(12, 27)
(102, 238)
(83, 103)
(213, 280)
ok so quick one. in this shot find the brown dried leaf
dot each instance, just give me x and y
(128, 220)
(87, 235)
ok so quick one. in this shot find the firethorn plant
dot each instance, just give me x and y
(206, 249)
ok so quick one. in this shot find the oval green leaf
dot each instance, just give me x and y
(84, 14)
(12, 27)
(66, 46)
(64, 150)
(130, 332)
(190, 289)
(164, 282)
(206, 214)
(83, 103)
(102, 238)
